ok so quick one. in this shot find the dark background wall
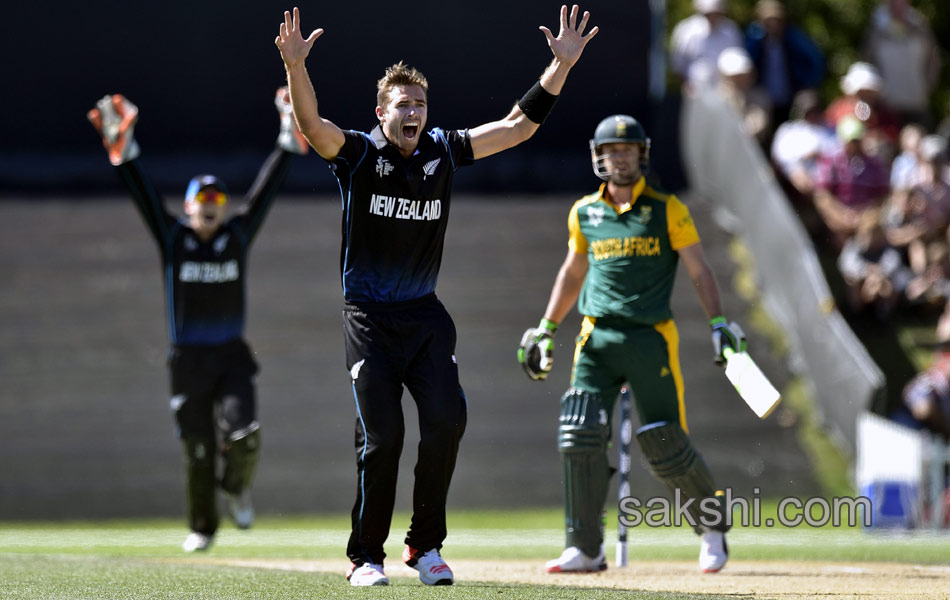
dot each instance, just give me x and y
(203, 75)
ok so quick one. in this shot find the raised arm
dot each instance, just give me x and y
(114, 118)
(271, 175)
(529, 113)
(323, 135)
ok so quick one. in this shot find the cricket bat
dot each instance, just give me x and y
(751, 383)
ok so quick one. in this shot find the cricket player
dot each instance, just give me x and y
(396, 184)
(204, 266)
(625, 242)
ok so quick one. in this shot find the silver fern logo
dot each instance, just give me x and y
(221, 243)
(429, 167)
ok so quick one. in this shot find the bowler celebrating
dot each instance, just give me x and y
(396, 186)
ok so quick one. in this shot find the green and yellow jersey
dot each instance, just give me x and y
(631, 250)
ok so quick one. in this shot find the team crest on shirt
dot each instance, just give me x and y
(646, 213)
(190, 244)
(429, 168)
(221, 243)
(383, 167)
(595, 215)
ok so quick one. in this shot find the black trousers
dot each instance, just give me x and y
(390, 346)
(212, 396)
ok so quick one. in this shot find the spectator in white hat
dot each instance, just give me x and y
(862, 99)
(737, 86)
(698, 40)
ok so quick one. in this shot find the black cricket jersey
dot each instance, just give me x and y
(205, 281)
(395, 212)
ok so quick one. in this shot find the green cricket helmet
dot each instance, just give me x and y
(619, 129)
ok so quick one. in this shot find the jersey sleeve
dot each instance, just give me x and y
(576, 242)
(680, 224)
(148, 202)
(460, 147)
(352, 152)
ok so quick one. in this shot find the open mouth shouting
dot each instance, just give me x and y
(410, 130)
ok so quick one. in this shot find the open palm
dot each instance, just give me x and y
(293, 47)
(570, 41)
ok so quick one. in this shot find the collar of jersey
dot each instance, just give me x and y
(634, 195)
(380, 141)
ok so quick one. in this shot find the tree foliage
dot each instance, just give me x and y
(838, 27)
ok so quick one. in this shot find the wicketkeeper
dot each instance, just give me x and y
(204, 266)
(625, 242)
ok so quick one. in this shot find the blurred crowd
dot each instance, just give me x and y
(868, 171)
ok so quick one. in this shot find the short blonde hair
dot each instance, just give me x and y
(399, 74)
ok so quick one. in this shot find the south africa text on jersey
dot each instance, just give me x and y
(631, 246)
(402, 208)
(209, 272)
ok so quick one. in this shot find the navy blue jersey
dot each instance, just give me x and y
(395, 212)
(205, 280)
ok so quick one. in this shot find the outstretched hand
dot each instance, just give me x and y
(294, 49)
(570, 41)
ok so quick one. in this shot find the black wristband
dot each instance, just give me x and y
(537, 103)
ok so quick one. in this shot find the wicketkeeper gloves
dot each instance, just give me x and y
(114, 117)
(536, 353)
(289, 138)
(726, 335)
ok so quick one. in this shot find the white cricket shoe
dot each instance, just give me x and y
(713, 551)
(366, 574)
(240, 508)
(197, 542)
(573, 560)
(432, 569)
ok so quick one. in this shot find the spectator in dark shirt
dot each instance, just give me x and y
(786, 59)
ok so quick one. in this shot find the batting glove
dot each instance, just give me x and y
(536, 353)
(726, 336)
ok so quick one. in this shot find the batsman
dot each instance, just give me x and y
(626, 240)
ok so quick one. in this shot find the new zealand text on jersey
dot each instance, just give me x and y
(209, 272)
(631, 246)
(402, 208)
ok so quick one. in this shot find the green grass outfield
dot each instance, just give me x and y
(142, 559)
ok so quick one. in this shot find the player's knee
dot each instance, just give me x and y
(248, 438)
(667, 448)
(199, 451)
(387, 440)
(583, 425)
(234, 415)
(191, 422)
